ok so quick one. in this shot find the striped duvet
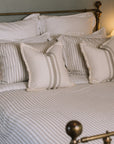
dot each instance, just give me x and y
(40, 117)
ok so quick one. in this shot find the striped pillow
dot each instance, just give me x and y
(99, 63)
(46, 71)
(72, 55)
(12, 67)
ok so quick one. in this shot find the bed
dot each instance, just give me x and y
(35, 111)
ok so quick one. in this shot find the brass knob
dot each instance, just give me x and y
(98, 4)
(74, 129)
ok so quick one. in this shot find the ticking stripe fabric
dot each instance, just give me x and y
(40, 117)
(46, 70)
(72, 54)
(12, 68)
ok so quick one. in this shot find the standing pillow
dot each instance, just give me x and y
(72, 54)
(41, 47)
(98, 62)
(77, 24)
(12, 67)
(19, 30)
(109, 46)
(46, 70)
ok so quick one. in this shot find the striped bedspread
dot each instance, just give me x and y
(40, 117)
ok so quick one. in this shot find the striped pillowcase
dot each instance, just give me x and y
(46, 70)
(72, 54)
(12, 68)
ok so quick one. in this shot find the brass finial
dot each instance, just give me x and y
(98, 4)
(74, 129)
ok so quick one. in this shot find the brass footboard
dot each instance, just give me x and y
(74, 129)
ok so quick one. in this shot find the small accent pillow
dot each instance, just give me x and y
(98, 62)
(109, 46)
(19, 29)
(46, 70)
(75, 25)
(72, 55)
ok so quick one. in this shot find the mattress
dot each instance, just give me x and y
(40, 117)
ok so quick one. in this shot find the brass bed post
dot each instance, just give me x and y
(74, 129)
(97, 14)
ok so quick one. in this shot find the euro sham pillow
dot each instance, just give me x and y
(19, 29)
(98, 62)
(12, 67)
(46, 70)
(72, 54)
(77, 24)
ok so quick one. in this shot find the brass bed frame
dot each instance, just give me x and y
(74, 128)
(96, 11)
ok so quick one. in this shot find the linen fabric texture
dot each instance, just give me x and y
(72, 54)
(19, 29)
(46, 70)
(12, 67)
(77, 24)
(109, 46)
(98, 62)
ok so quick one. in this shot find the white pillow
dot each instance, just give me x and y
(41, 47)
(98, 62)
(46, 71)
(109, 46)
(12, 67)
(77, 24)
(72, 55)
(19, 30)
(101, 33)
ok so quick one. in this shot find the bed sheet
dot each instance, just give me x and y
(40, 117)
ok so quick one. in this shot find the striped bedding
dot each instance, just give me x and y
(40, 117)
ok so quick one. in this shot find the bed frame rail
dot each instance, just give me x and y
(97, 12)
(74, 129)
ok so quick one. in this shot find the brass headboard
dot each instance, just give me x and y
(96, 11)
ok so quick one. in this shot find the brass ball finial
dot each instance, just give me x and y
(74, 129)
(98, 4)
